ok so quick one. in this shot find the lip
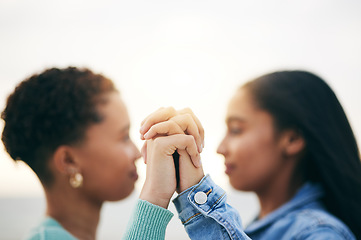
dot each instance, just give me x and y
(134, 175)
(229, 168)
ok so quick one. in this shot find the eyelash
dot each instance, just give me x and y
(126, 138)
(234, 131)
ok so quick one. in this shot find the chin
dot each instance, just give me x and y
(122, 194)
(128, 193)
(239, 185)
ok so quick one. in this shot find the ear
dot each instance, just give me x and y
(294, 143)
(64, 160)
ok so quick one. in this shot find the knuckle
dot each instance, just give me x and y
(201, 131)
(190, 122)
(185, 117)
(170, 109)
(173, 124)
(189, 111)
(190, 139)
(162, 127)
(188, 116)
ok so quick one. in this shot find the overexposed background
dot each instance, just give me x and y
(189, 53)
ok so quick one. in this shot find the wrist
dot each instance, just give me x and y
(187, 183)
(156, 198)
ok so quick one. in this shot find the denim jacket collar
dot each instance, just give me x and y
(309, 193)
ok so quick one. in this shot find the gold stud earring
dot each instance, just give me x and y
(76, 180)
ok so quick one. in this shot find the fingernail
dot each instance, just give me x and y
(200, 148)
(146, 135)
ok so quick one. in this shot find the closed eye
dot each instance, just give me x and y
(235, 131)
(126, 137)
(235, 125)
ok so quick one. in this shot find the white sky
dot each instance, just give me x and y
(189, 53)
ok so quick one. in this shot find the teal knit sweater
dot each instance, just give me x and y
(148, 222)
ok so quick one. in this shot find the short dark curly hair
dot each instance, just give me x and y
(48, 110)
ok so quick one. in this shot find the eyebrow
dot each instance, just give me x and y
(235, 119)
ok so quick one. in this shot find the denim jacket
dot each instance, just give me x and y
(205, 214)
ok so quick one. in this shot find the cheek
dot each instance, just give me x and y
(254, 158)
(107, 176)
(113, 168)
(255, 147)
(245, 149)
(107, 159)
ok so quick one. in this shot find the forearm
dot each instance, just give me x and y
(147, 222)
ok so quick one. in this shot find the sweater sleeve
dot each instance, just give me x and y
(148, 221)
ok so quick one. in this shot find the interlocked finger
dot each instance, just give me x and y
(163, 128)
(196, 120)
(188, 126)
(161, 115)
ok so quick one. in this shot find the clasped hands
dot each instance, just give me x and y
(166, 131)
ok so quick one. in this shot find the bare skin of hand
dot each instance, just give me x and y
(160, 183)
(168, 121)
(188, 174)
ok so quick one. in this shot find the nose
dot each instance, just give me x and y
(222, 147)
(136, 153)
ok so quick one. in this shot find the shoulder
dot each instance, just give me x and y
(316, 223)
(49, 229)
